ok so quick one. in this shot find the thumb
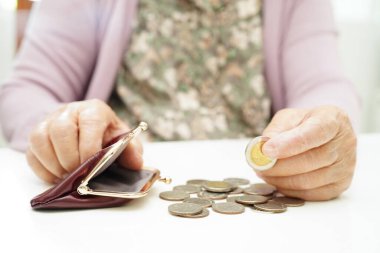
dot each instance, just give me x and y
(131, 157)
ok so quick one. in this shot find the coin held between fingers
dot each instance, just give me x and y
(255, 156)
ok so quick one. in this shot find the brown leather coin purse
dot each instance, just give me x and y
(101, 181)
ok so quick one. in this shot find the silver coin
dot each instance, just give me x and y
(174, 195)
(185, 209)
(251, 199)
(288, 201)
(260, 189)
(271, 206)
(202, 202)
(232, 198)
(235, 191)
(212, 195)
(196, 182)
(236, 181)
(202, 214)
(187, 188)
(218, 186)
(228, 208)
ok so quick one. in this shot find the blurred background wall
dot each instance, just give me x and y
(359, 44)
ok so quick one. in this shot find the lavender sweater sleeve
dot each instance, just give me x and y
(52, 67)
(310, 62)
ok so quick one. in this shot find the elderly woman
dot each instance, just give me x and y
(192, 69)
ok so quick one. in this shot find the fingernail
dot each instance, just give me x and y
(270, 150)
(65, 175)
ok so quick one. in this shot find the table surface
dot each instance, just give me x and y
(350, 223)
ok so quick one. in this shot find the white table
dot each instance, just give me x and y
(348, 224)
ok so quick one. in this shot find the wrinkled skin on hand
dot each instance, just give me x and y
(316, 152)
(69, 136)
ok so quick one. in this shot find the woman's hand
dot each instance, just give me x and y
(72, 134)
(316, 151)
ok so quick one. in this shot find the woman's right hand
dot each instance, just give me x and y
(69, 136)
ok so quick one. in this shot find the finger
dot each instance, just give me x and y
(284, 120)
(43, 149)
(63, 132)
(131, 157)
(313, 132)
(314, 179)
(39, 169)
(326, 192)
(310, 160)
(92, 125)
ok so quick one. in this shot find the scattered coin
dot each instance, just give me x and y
(260, 197)
(187, 188)
(212, 195)
(237, 190)
(174, 195)
(271, 206)
(202, 214)
(260, 189)
(288, 201)
(255, 157)
(202, 202)
(218, 186)
(196, 182)
(228, 208)
(185, 209)
(232, 198)
(251, 199)
(236, 181)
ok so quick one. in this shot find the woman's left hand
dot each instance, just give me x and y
(316, 152)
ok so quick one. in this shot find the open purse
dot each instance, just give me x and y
(101, 181)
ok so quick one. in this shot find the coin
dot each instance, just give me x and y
(187, 188)
(185, 209)
(202, 214)
(217, 186)
(271, 206)
(202, 202)
(260, 189)
(236, 181)
(237, 190)
(197, 182)
(232, 198)
(174, 195)
(212, 195)
(228, 208)
(255, 157)
(287, 201)
(251, 199)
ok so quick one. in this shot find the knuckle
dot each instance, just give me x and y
(301, 182)
(37, 137)
(59, 127)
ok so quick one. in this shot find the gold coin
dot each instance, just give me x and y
(255, 157)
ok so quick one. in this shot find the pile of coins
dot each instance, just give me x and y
(230, 196)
